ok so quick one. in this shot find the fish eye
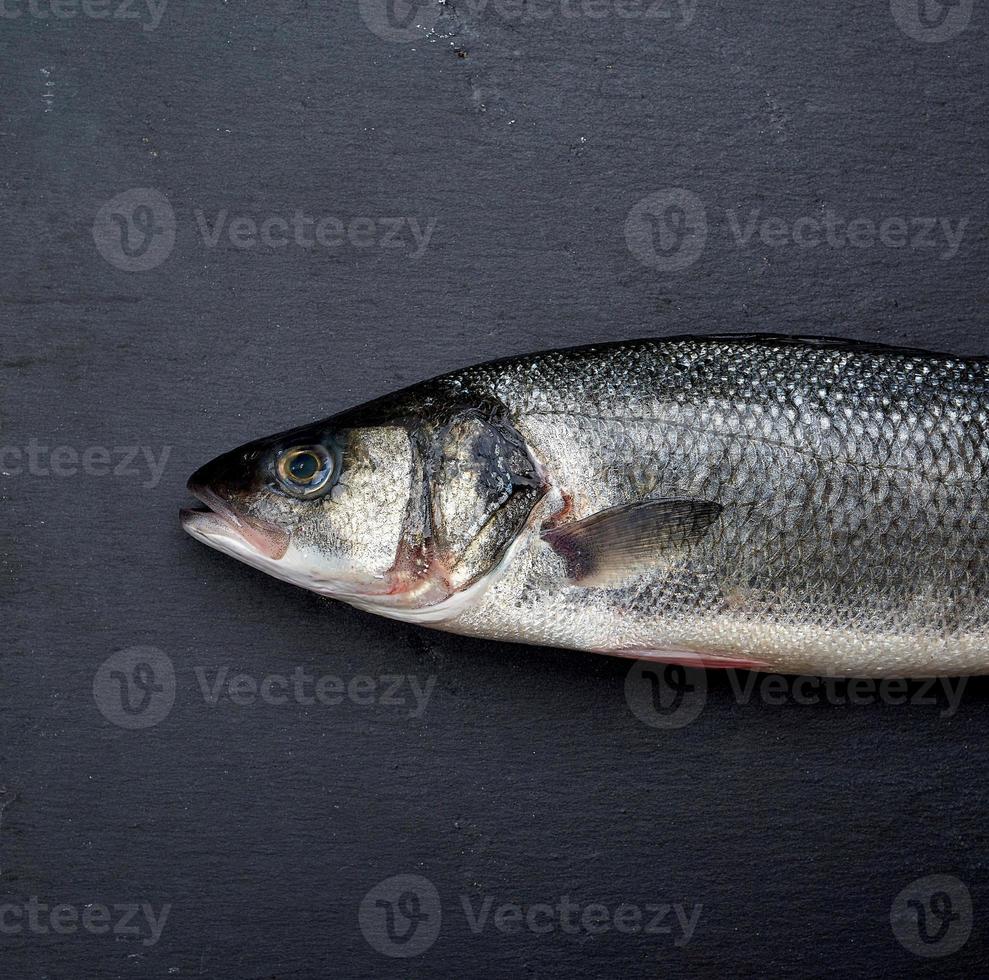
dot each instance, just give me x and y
(304, 470)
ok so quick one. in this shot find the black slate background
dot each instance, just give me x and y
(527, 778)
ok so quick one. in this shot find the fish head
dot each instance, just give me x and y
(394, 507)
(321, 506)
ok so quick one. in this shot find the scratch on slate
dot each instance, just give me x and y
(48, 96)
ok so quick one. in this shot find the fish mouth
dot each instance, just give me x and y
(217, 519)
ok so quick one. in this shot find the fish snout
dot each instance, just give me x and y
(225, 486)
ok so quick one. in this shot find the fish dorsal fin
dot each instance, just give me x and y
(618, 542)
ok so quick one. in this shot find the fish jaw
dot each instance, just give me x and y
(269, 548)
(251, 545)
(267, 553)
(220, 521)
(256, 542)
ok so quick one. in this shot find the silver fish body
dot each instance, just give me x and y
(792, 505)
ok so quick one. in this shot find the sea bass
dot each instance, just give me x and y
(784, 504)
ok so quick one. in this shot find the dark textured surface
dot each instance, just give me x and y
(527, 777)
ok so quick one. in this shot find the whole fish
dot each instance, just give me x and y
(785, 504)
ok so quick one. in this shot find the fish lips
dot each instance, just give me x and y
(219, 517)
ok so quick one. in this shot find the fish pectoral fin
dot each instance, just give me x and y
(613, 544)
